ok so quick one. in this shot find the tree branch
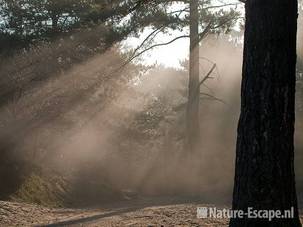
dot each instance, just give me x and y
(220, 6)
(213, 97)
(206, 77)
(158, 45)
(153, 33)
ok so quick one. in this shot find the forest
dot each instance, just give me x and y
(151, 113)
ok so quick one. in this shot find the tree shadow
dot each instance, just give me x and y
(123, 207)
(90, 218)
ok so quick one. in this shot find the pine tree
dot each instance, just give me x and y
(265, 178)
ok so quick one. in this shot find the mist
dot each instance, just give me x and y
(125, 128)
(86, 121)
(106, 119)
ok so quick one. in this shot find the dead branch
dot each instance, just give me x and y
(213, 97)
(207, 76)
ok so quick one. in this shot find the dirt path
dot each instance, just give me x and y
(139, 213)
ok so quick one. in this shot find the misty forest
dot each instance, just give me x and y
(148, 113)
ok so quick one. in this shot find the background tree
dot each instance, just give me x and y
(30, 20)
(193, 104)
(202, 18)
(27, 21)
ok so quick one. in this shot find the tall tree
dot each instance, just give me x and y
(193, 105)
(202, 17)
(264, 177)
(29, 20)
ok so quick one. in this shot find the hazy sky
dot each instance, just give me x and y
(169, 55)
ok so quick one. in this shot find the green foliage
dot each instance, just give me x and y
(53, 190)
(25, 21)
(36, 18)
(47, 191)
(161, 107)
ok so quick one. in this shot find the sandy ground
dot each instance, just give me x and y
(140, 213)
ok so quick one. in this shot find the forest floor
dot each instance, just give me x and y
(149, 212)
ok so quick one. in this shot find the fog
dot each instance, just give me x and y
(93, 123)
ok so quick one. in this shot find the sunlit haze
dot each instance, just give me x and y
(170, 55)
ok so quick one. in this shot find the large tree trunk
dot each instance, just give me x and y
(265, 176)
(192, 121)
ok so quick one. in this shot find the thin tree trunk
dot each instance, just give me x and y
(192, 121)
(265, 178)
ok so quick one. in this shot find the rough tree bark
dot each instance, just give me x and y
(265, 176)
(192, 121)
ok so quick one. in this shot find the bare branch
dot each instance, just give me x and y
(179, 11)
(208, 60)
(158, 45)
(147, 49)
(213, 97)
(212, 62)
(220, 6)
(207, 76)
(152, 34)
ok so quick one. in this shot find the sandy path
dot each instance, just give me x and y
(140, 213)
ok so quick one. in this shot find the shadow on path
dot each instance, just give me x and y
(129, 206)
(90, 218)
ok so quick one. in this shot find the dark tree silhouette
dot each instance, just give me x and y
(265, 176)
